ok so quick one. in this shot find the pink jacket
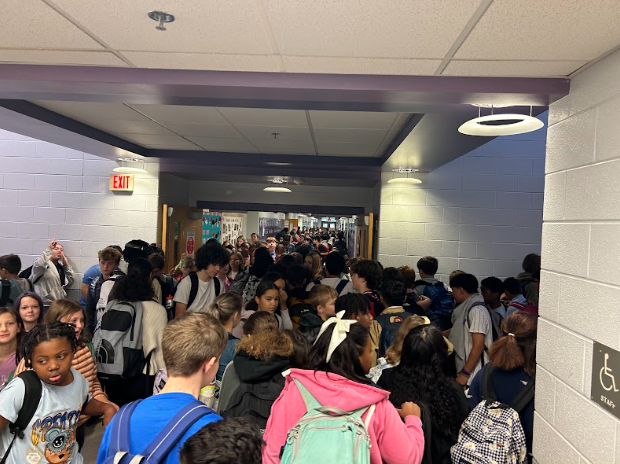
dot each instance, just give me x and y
(392, 441)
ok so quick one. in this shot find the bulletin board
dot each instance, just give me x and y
(211, 226)
(232, 227)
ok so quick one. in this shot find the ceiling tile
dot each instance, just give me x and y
(203, 130)
(204, 61)
(346, 149)
(352, 119)
(182, 114)
(283, 145)
(512, 68)
(544, 30)
(91, 58)
(118, 126)
(264, 117)
(284, 133)
(143, 139)
(331, 65)
(366, 136)
(88, 111)
(32, 24)
(176, 146)
(200, 26)
(221, 144)
(368, 28)
(297, 151)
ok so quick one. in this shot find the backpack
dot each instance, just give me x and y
(239, 283)
(5, 292)
(390, 325)
(529, 308)
(492, 433)
(440, 311)
(27, 273)
(328, 435)
(32, 396)
(118, 342)
(341, 285)
(158, 450)
(194, 285)
(310, 325)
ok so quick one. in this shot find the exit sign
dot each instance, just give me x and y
(121, 182)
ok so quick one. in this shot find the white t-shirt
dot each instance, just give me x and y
(480, 323)
(50, 436)
(334, 282)
(204, 297)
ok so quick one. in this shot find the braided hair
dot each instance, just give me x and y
(44, 333)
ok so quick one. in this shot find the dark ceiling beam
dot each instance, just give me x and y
(281, 208)
(270, 90)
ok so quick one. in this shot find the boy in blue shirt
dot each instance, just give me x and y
(192, 345)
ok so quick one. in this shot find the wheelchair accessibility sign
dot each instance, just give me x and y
(606, 378)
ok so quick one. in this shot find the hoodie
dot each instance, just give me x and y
(392, 441)
(252, 370)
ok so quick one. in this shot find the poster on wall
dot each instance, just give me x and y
(232, 227)
(211, 226)
(269, 227)
(190, 243)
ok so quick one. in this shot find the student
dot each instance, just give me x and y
(158, 261)
(49, 350)
(356, 307)
(336, 377)
(29, 307)
(516, 300)
(10, 265)
(472, 332)
(427, 268)
(339, 245)
(209, 259)
(261, 358)
(492, 289)
(527, 278)
(227, 309)
(301, 349)
(393, 296)
(334, 269)
(267, 298)
(9, 339)
(312, 261)
(513, 359)
(420, 377)
(223, 276)
(322, 307)
(135, 289)
(235, 440)
(52, 273)
(254, 238)
(98, 293)
(236, 265)
(366, 278)
(191, 345)
(262, 262)
(272, 243)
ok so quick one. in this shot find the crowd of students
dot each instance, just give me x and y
(283, 350)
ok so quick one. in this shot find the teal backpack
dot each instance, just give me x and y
(328, 435)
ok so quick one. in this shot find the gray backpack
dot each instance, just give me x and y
(118, 342)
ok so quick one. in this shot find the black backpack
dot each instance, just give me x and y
(5, 292)
(194, 284)
(26, 273)
(32, 397)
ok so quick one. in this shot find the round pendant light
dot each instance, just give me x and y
(277, 185)
(125, 169)
(405, 180)
(277, 189)
(500, 124)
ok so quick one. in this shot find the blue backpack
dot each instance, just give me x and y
(440, 312)
(157, 451)
(390, 325)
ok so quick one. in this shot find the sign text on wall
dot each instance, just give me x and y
(121, 182)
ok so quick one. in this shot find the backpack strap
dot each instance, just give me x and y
(193, 291)
(119, 438)
(309, 400)
(341, 285)
(5, 293)
(216, 283)
(524, 397)
(32, 397)
(488, 389)
(172, 433)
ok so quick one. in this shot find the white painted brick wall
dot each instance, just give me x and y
(48, 190)
(580, 281)
(480, 213)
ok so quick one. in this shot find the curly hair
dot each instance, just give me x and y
(44, 333)
(420, 377)
(370, 271)
(265, 345)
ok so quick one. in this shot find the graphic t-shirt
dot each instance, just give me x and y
(204, 297)
(50, 436)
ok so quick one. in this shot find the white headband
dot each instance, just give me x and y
(339, 334)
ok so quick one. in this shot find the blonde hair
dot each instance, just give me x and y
(321, 295)
(191, 340)
(394, 352)
(316, 264)
(265, 345)
(64, 308)
(225, 307)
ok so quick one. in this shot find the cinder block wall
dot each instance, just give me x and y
(47, 190)
(580, 282)
(481, 213)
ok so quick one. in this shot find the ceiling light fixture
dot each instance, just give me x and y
(278, 163)
(125, 169)
(405, 180)
(162, 18)
(279, 185)
(495, 125)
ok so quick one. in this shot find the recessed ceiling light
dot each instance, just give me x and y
(162, 18)
(501, 124)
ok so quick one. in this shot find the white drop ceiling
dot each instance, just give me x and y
(246, 130)
(531, 38)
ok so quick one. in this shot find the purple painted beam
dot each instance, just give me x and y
(270, 90)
